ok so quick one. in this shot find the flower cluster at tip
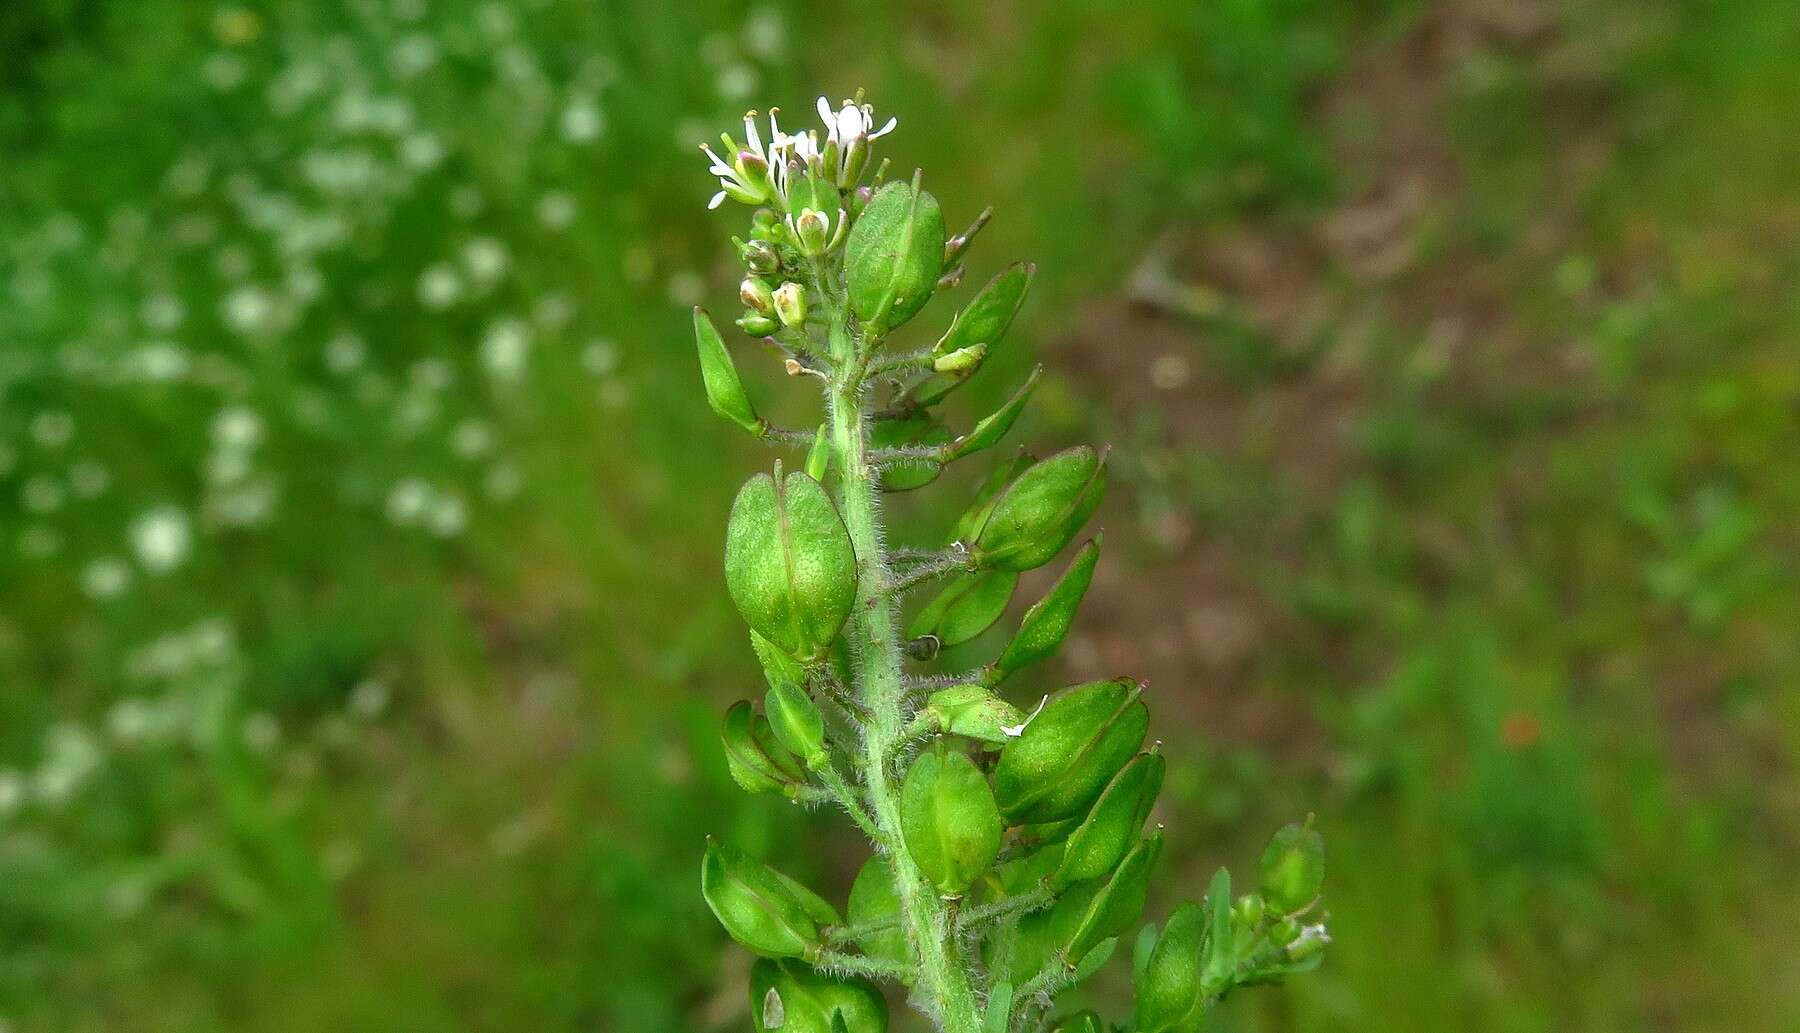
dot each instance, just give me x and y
(1011, 853)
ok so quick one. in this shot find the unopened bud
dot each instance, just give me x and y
(759, 257)
(960, 359)
(1249, 909)
(949, 280)
(813, 229)
(756, 324)
(790, 304)
(756, 296)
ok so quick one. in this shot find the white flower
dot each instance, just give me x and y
(746, 177)
(161, 538)
(852, 122)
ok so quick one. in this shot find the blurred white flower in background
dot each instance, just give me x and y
(161, 537)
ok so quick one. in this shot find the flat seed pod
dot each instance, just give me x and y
(894, 255)
(1169, 997)
(724, 389)
(993, 427)
(1293, 868)
(1112, 825)
(1041, 511)
(1047, 623)
(790, 997)
(757, 905)
(986, 494)
(948, 819)
(975, 712)
(917, 429)
(1070, 751)
(796, 722)
(778, 667)
(1119, 903)
(757, 763)
(968, 605)
(789, 564)
(873, 898)
(985, 319)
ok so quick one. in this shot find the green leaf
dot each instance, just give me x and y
(724, 390)
(789, 564)
(968, 605)
(1047, 623)
(1221, 944)
(1169, 995)
(948, 819)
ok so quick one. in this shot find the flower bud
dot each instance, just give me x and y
(1249, 910)
(760, 257)
(968, 605)
(873, 898)
(948, 819)
(985, 319)
(789, 564)
(960, 359)
(1070, 751)
(1169, 995)
(796, 722)
(756, 324)
(952, 279)
(1293, 868)
(790, 304)
(813, 230)
(1047, 623)
(973, 711)
(894, 255)
(757, 762)
(1112, 826)
(1120, 902)
(756, 296)
(761, 908)
(991, 429)
(724, 391)
(1041, 511)
(791, 997)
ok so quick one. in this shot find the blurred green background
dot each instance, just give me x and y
(362, 631)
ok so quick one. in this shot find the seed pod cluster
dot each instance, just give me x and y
(1006, 830)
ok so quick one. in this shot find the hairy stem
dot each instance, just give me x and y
(942, 979)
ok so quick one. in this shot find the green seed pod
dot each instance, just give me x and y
(894, 254)
(1070, 751)
(754, 292)
(818, 457)
(1044, 935)
(1041, 511)
(1293, 868)
(724, 391)
(757, 762)
(1112, 826)
(1249, 910)
(1220, 959)
(1169, 995)
(873, 898)
(973, 711)
(756, 324)
(987, 494)
(761, 908)
(968, 605)
(789, 564)
(1047, 623)
(790, 997)
(989, 431)
(1116, 907)
(796, 722)
(948, 819)
(911, 431)
(991, 311)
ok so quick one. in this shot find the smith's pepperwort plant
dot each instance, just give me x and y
(1009, 848)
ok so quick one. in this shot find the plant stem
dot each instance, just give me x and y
(941, 978)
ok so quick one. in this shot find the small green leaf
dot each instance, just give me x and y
(1169, 996)
(1047, 623)
(999, 1008)
(1221, 943)
(724, 390)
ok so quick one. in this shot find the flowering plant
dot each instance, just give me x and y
(1009, 854)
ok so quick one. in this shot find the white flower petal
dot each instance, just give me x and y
(717, 200)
